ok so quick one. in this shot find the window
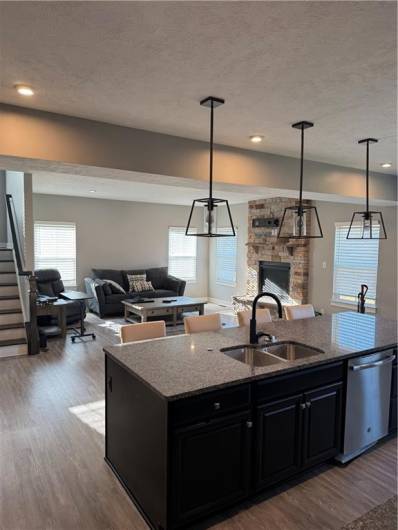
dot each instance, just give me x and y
(55, 248)
(226, 251)
(355, 263)
(182, 254)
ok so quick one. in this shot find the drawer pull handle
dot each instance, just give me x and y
(217, 405)
(308, 404)
(302, 406)
(249, 424)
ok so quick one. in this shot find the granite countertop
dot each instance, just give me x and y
(183, 365)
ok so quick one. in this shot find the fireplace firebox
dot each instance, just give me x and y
(274, 277)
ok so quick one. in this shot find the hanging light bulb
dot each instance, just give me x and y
(212, 208)
(367, 224)
(295, 220)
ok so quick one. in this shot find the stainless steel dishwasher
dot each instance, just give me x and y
(367, 402)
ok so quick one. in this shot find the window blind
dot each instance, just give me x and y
(55, 248)
(355, 263)
(182, 254)
(226, 255)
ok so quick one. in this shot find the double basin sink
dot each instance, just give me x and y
(276, 352)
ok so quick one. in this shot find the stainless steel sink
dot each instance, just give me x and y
(291, 350)
(254, 356)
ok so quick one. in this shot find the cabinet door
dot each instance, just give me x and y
(210, 466)
(278, 440)
(322, 424)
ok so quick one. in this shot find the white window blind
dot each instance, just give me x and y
(355, 263)
(182, 254)
(226, 255)
(55, 248)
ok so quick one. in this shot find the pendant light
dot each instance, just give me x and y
(296, 221)
(367, 224)
(212, 207)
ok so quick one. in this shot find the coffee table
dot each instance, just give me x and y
(162, 307)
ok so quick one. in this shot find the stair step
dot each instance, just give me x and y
(9, 290)
(9, 297)
(12, 342)
(15, 325)
(13, 350)
(10, 304)
(7, 278)
(11, 317)
(13, 334)
(7, 266)
(8, 311)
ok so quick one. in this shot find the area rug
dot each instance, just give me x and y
(383, 517)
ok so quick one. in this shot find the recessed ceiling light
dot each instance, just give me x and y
(24, 90)
(386, 164)
(92, 191)
(256, 138)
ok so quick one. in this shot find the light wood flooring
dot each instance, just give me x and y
(53, 476)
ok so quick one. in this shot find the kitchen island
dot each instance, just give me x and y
(191, 430)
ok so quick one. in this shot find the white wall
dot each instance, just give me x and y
(121, 235)
(3, 215)
(19, 185)
(224, 293)
(322, 250)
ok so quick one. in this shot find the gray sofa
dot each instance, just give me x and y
(107, 300)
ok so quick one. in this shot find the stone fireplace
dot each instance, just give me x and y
(287, 259)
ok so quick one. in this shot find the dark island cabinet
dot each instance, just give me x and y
(299, 431)
(278, 440)
(210, 466)
(393, 405)
(322, 424)
(182, 459)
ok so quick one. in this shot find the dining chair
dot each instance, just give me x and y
(143, 331)
(195, 324)
(297, 312)
(263, 315)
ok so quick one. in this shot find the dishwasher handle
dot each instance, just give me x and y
(386, 360)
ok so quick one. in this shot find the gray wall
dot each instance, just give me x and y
(322, 250)
(225, 292)
(3, 215)
(86, 143)
(117, 234)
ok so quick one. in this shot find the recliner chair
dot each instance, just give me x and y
(49, 283)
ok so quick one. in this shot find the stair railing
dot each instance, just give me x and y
(27, 284)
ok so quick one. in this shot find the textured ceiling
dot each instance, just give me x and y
(147, 64)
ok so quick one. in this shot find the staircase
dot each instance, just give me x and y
(12, 328)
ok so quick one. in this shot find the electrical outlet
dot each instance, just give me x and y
(323, 264)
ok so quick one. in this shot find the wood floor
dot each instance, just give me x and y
(52, 473)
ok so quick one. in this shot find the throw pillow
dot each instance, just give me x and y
(119, 288)
(132, 278)
(141, 286)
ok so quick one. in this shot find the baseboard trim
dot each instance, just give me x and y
(218, 301)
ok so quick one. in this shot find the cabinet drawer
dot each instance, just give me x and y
(210, 405)
(160, 312)
(282, 386)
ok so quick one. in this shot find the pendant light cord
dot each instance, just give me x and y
(301, 171)
(211, 154)
(367, 177)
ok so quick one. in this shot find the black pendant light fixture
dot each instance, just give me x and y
(296, 221)
(210, 205)
(367, 224)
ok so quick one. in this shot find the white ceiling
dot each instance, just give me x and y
(147, 64)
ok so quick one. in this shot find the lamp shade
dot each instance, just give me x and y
(367, 225)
